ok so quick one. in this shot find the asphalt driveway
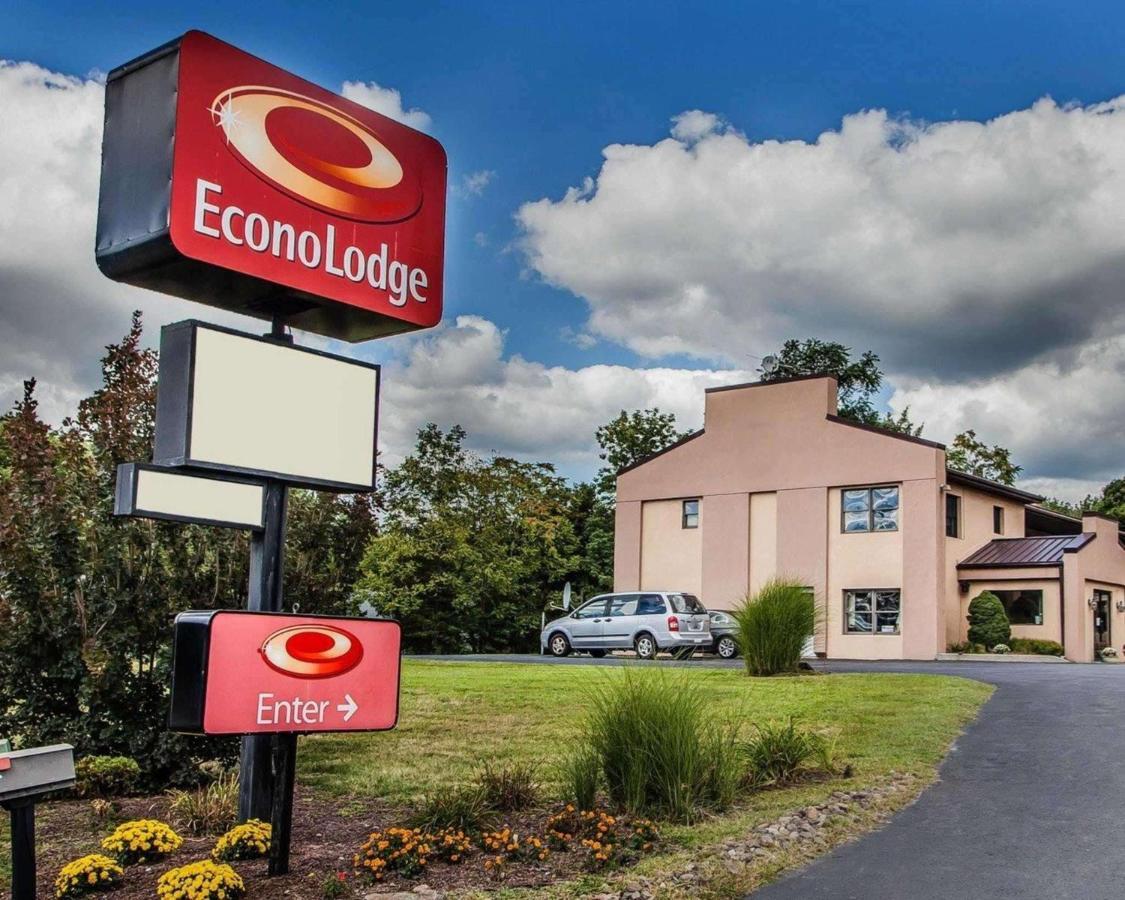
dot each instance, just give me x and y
(1030, 801)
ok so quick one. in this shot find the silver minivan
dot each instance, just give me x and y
(645, 621)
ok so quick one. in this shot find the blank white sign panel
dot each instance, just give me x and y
(189, 497)
(269, 408)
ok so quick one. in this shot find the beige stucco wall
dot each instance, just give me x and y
(976, 531)
(858, 561)
(726, 549)
(763, 539)
(1101, 564)
(1046, 581)
(671, 555)
(770, 464)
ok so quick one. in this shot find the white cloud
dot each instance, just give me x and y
(387, 101)
(1063, 418)
(982, 261)
(953, 248)
(695, 124)
(475, 183)
(459, 374)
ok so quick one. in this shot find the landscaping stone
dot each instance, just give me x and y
(805, 827)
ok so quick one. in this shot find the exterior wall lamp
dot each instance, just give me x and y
(1121, 605)
(1093, 603)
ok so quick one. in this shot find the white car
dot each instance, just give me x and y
(646, 621)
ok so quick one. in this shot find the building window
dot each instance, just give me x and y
(872, 612)
(1022, 607)
(870, 509)
(691, 514)
(952, 516)
(997, 520)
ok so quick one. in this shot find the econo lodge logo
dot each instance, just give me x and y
(315, 153)
(312, 651)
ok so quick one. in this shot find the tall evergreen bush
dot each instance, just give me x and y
(988, 622)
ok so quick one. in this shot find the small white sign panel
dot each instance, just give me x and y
(244, 404)
(166, 494)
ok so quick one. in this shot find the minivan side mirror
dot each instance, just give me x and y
(574, 615)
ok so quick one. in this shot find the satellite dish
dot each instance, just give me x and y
(566, 596)
(770, 364)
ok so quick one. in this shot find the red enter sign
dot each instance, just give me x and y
(252, 673)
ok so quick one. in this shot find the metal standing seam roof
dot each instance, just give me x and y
(1029, 551)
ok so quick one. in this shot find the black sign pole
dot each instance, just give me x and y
(23, 848)
(284, 748)
(267, 566)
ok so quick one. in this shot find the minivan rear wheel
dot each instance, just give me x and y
(558, 644)
(645, 645)
(726, 647)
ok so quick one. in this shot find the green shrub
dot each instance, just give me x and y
(960, 647)
(211, 809)
(1001, 648)
(106, 776)
(509, 789)
(462, 809)
(773, 626)
(581, 775)
(988, 623)
(777, 753)
(661, 751)
(1036, 646)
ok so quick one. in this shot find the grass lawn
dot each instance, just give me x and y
(455, 717)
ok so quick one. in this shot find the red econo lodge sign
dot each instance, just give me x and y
(239, 672)
(230, 181)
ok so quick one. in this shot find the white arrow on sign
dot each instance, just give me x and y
(348, 707)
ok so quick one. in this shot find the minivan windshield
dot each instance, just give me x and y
(686, 603)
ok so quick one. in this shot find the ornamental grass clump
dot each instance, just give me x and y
(662, 751)
(210, 809)
(511, 788)
(142, 840)
(204, 880)
(250, 840)
(777, 754)
(87, 875)
(773, 626)
(988, 622)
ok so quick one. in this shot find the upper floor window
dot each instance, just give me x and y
(997, 520)
(952, 516)
(691, 514)
(870, 509)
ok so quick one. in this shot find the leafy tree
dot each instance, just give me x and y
(968, 454)
(988, 622)
(469, 550)
(858, 380)
(87, 600)
(630, 437)
(591, 514)
(1112, 500)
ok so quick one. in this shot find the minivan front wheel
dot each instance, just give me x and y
(558, 645)
(645, 645)
(726, 647)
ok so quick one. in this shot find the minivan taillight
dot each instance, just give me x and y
(673, 623)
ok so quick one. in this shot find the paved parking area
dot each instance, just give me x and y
(1029, 804)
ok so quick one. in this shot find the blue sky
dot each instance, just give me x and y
(533, 92)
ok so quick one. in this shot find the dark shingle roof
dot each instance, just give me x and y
(1029, 551)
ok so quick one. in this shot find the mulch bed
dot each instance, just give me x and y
(326, 834)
